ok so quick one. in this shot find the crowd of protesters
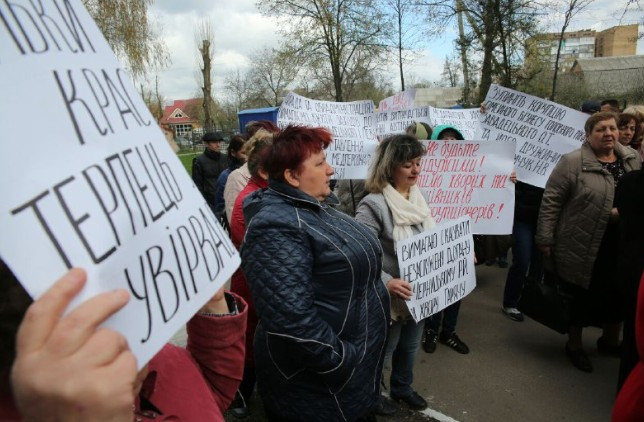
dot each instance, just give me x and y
(317, 309)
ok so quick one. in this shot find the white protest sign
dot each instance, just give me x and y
(352, 125)
(543, 130)
(402, 100)
(88, 180)
(466, 120)
(469, 178)
(439, 264)
(397, 121)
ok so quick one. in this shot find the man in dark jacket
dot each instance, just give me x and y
(207, 167)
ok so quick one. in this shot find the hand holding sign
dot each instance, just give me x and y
(439, 266)
(66, 368)
(101, 189)
(400, 288)
(542, 130)
(470, 178)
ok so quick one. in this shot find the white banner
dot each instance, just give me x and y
(439, 264)
(352, 125)
(465, 120)
(402, 100)
(88, 180)
(396, 122)
(543, 130)
(470, 178)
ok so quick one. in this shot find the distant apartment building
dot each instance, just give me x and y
(617, 41)
(585, 44)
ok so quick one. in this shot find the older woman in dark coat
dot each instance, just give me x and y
(578, 227)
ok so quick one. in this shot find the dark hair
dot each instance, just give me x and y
(292, 146)
(624, 118)
(613, 104)
(257, 150)
(235, 145)
(255, 125)
(258, 156)
(450, 131)
(392, 152)
(598, 117)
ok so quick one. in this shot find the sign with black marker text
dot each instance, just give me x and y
(542, 130)
(439, 264)
(352, 125)
(396, 122)
(466, 120)
(88, 179)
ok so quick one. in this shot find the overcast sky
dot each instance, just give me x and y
(240, 29)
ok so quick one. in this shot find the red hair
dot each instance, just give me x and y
(255, 125)
(292, 146)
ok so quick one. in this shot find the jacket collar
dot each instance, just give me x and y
(296, 195)
(212, 154)
(258, 182)
(589, 161)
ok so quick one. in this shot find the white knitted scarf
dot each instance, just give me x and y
(407, 213)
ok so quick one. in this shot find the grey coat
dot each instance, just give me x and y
(575, 210)
(348, 197)
(374, 213)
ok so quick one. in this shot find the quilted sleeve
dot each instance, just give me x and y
(554, 197)
(217, 343)
(278, 265)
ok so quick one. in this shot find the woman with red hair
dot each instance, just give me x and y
(314, 275)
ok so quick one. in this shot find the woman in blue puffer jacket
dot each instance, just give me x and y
(314, 275)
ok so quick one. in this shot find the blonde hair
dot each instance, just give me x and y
(260, 135)
(392, 152)
(637, 110)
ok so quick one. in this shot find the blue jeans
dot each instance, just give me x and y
(449, 317)
(524, 256)
(402, 346)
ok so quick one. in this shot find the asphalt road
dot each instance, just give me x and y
(516, 371)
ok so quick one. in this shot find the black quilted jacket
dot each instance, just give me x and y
(314, 274)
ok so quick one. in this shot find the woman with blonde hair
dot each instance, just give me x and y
(395, 209)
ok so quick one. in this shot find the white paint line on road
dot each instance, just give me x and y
(429, 412)
(437, 415)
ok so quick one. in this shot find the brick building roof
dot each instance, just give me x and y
(182, 111)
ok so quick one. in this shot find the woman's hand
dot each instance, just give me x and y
(513, 176)
(614, 215)
(217, 304)
(399, 288)
(483, 107)
(546, 249)
(67, 368)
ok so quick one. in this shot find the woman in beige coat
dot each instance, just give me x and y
(578, 227)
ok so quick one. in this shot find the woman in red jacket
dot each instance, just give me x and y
(258, 180)
(66, 368)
